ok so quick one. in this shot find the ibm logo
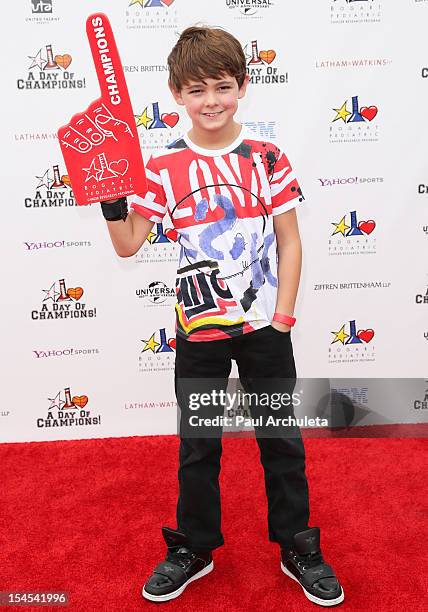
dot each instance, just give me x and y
(41, 6)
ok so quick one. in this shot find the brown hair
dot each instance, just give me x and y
(205, 52)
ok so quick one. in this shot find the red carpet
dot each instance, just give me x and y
(85, 516)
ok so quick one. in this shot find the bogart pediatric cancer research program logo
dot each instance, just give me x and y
(49, 71)
(62, 303)
(355, 11)
(351, 344)
(53, 190)
(355, 125)
(158, 352)
(161, 246)
(244, 9)
(352, 236)
(259, 65)
(157, 129)
(66, 410)
(157, 14)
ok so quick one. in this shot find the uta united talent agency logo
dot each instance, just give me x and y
(354, 124)
(156, 14)
(41, 12)
(352, 236)
(355, 11)
(67, 410)
(351, 344)
(157, 129)
(262, 65)
(160, 246)
(156, 293)
(49, 71)
(62, 303)
(53, 190)
(158, 352)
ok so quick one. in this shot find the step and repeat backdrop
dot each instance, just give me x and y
(341, 85)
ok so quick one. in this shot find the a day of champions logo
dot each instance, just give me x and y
(157, 129)
(49, 71)
(41, 12)
(244, 9)
(158, 352)
(264, 129)
(355, 11)
(351, 344)
(62, 303)
(422, 298)
(66, 410)
(352, 235)
(156, 293)
(160, 246)
(53, 190)
(354, 123)
(156, 14)
(260, 68)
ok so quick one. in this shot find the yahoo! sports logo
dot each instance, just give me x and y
(66, 410)
(50, 71)
(61, 302)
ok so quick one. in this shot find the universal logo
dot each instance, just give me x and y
(151, 14)
(351, 344)
(66, 410)
(353, 122)
(53, 190)
(244, 9)
(355, 11)
(160, 246)
(352, 236)
(157, 129)
(158, 352)
(62, 303)
(156, 293)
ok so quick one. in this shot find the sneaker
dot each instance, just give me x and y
(304, 564)
(181, 566)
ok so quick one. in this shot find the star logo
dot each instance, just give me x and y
(143, 119)
(341, 227)
(340, 336)
(150, 345)
(57, 402)
(51, 294)
(44, 180)
(37, 61)
(342, 113)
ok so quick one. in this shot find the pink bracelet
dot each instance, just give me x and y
(281, 318)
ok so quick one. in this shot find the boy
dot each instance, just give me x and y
(231, 197)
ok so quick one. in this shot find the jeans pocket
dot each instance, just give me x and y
(282, 333)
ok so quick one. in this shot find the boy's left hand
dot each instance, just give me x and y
(282, 327)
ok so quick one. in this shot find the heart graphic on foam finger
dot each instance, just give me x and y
(75, 292)
(80, 400)
(368, 112)
(119, 167)
(170, 119)
(267, 56)
(63, 60)
(365, 334)
(367, 226)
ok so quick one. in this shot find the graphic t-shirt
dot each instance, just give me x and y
(221, 202)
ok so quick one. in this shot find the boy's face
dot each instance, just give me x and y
(211, 106)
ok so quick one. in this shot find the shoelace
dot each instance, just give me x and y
(309, 560)
(182, 557)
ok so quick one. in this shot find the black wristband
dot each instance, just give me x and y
(115, 211)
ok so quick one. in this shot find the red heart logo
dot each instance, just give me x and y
(171, 234)
(172, 342)
(368, 112)
(120, 166)
(167, 2)
(80, 400)
(365, 334)
(367, 226)
(170, 119)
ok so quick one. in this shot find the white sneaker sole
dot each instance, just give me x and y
(209, 568)
(313, 598)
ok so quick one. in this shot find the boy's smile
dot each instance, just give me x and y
(211, 107)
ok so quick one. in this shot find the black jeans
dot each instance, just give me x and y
(266, 353)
